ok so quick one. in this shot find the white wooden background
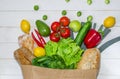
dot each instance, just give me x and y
(13, 11)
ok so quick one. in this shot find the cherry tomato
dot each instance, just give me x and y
(65, 32)
(55, 26)
(64, 21)
(54, 36)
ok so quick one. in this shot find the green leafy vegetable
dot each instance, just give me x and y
(51, 48)
(54, 61)
(67, 49)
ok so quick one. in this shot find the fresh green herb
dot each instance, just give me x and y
(89, 18)
(64, 12)
(64, 54)
(79, 13)
(107, 1)
(89, 2)
(44, 17)
(36, 7)
(67, 0)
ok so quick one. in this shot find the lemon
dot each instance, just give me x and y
(109, 22)
(25, 26)
(39, 51)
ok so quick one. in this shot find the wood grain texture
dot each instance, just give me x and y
(13, 11)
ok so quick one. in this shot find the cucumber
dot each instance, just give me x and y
(82, 33)
(43, 28)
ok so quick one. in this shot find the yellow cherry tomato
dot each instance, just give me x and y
(109, 22)
(39, 51)
(25, 26)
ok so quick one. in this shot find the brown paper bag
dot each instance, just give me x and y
(34, 72)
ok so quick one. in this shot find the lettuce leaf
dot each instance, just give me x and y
(51, 48)
(67, 49)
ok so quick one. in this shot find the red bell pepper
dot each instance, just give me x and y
(41, 42)
(92, 38)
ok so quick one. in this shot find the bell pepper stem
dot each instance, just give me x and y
(104, 32)
(101, 33)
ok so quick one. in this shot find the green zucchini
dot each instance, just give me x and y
(43, 28)
(82, 33)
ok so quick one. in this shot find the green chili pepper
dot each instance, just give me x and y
(64, 12)
(79, 13)
(36, 7)
(44, 17)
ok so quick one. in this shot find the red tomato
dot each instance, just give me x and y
(64, 21)
(65, 32)
(55, 26)
(55, 36)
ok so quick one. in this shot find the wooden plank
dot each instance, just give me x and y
(16, 17)
(11, 76)
(13, 11)
(108, 77)
(21, 77)
(8, 49)
(114, 33)
(109, 67)
(111, 52)
(12, 34)
(9, 67)
(9, 34)
(58, 5)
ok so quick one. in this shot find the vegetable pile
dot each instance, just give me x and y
(62, 51)
(65, 53)
(67, 49)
